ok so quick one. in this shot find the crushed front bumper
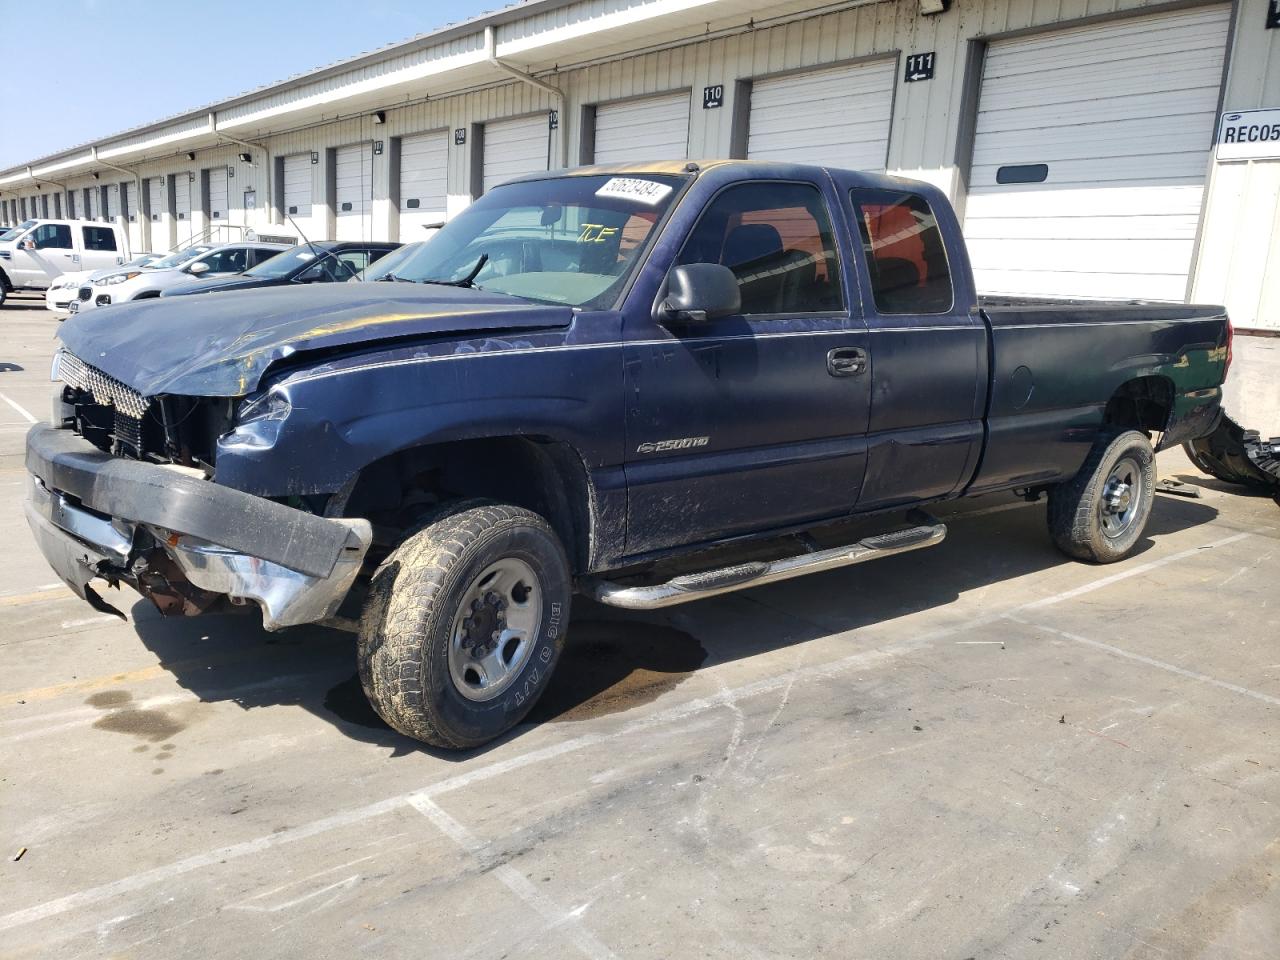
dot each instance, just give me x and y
(94, 515)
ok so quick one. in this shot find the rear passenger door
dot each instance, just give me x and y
(928, 353)
(741, 424)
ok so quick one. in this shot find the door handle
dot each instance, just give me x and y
(846, 361)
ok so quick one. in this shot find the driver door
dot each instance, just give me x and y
(54, 255)
(747, 423)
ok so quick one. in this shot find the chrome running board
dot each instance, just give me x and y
(708, 583)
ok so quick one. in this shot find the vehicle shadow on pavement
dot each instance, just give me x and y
(615, 661)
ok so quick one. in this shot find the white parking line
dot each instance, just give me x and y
(1128, 572)
(21, 409)
(1150, 661)
(725, 697)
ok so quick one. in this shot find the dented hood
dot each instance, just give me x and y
(220, 345)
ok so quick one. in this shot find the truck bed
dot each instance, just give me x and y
(1002, 310)
(1055, 363)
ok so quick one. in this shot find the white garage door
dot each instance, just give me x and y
(514, 147)
(423, 183)
(182, 205)
(837, 118)
(1109, 127)
(155, 199)
(297, 185)
(650, 129)
(354, 174)
(95, 203)
(113, 202)
(218, 195)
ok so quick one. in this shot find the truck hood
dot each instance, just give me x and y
(222, 346)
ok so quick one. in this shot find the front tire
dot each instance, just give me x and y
(464, 624)
(1100, 514)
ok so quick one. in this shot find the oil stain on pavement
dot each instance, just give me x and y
(612, 665)
(154, 725)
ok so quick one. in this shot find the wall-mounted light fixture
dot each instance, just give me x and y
(95, 175)
(929, 8)
(245, 157)
(380, 117)
(191, 156)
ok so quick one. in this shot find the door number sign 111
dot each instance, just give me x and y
(919, 67)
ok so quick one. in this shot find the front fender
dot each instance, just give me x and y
(345, 415)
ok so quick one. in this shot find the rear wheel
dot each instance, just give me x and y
(1100, 514)
(464, 624)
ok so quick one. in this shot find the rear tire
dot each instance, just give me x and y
(1099, 515)
(464, 624)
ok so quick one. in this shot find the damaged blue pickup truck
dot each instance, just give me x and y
(647, 384)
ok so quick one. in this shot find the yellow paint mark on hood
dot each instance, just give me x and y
(378, 320)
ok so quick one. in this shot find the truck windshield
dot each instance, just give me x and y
(285, 264)
(12, 233)
(566, 240)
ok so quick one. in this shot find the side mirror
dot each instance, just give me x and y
(198, 268)
(700, 292)
(28, 244)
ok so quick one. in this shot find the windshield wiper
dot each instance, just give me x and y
(469, 280)
(391, 277)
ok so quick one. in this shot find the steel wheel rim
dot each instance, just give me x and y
(1121, 498)
(495, 629)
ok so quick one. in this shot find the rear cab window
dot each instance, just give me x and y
(904, 252)
(99, 238)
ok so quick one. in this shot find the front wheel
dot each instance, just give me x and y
(464, 623)
(1100, 513)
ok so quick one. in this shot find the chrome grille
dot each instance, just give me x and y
(128, 430)
(75, 372)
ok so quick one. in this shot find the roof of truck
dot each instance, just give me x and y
(678, 167)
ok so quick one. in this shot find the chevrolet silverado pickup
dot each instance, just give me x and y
(647, 384)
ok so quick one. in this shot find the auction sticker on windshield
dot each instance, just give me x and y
(629, 188)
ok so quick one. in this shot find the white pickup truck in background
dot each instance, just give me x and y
(35, 252)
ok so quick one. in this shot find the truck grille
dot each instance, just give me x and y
(128, 431)
(104, 389)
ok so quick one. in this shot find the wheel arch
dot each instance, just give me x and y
(1141, 403)
(540, 473)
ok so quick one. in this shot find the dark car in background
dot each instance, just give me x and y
(327, 261)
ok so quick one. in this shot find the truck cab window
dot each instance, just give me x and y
(52, 236)
(904, 251)
(776, 238)
(99, 238)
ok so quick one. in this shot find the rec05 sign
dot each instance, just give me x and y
(1249, 135)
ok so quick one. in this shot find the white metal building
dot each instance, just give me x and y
(1078, 139)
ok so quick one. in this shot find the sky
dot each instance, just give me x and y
(128, 62)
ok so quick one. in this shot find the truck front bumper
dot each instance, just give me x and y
(163, 531)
